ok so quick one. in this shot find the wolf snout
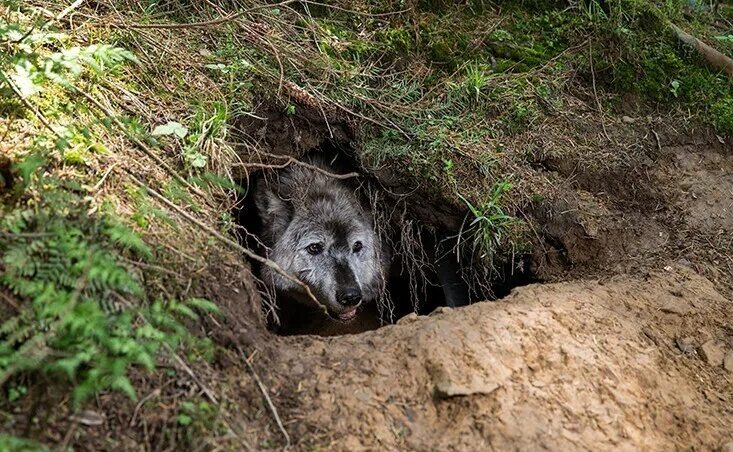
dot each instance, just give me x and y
(349, 297)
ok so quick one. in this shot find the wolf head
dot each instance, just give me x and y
(317, 230)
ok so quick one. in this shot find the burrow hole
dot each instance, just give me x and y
(427, 268)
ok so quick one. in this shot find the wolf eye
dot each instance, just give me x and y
(357, 247)
(314, 248)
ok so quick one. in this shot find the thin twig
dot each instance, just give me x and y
(263, 389)
(9, 300)
(264, 261)
(290, 161)
(71, 8)
(157, 268)
(147, 151)
(181, 363)
(99, 184)
(656, 137)
(154, 393)
(37, 113)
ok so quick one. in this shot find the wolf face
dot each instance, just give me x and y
(316, 229)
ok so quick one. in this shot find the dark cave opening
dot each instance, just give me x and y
(427, 270)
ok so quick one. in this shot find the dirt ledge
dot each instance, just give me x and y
(576, 365)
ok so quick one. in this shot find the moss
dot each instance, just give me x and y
(721, 113)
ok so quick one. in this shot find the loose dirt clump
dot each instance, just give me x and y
(560, 366)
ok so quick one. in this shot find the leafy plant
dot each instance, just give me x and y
(78, 312)
(83, 314)
(490, 226)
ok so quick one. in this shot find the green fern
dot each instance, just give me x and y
(67, 269)
(84, 317)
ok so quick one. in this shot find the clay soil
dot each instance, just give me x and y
(627, 345)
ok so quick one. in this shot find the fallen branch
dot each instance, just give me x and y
(712, 56)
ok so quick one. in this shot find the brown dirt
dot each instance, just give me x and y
(640, 232)
(609, 361)
(579, 365)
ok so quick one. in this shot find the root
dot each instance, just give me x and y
(712, 56)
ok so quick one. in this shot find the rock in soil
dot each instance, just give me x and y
(687, 345)
(712, 353)
(676, 306)
(728, 362)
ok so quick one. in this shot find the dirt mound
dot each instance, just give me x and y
(563, 366)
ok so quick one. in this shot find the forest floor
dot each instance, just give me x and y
(592, 150)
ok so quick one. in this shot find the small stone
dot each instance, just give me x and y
(728, 363)
(89, 418)
(628, 119)
(441, 310)
(712, 353)
(687, 345)
(676, 306)
(409, 318)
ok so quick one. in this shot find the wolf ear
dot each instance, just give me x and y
(274, 212)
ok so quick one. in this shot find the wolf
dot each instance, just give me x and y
(315, 228)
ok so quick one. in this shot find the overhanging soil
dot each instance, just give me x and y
(564, 366)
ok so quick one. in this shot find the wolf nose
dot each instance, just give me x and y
(349, 297)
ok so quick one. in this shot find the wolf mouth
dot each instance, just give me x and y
(344, 316)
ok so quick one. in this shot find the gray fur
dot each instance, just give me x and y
(301, 207)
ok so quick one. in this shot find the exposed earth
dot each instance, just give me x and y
(582, 365)
(627, 343)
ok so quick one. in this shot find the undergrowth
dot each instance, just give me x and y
(74, 311)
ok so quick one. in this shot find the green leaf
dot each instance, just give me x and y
(184, 419)
(123, 385)
(25, 79)
(204, 305)
(196, 159)
(171, 128)
(184, 310)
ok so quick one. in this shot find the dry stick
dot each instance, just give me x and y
(191, 374)
(263, 389)
(99, 184)
(155, 393)
(292, 160)
(9, 300)
(139, 143)
(264, 261)
(712, 56)
(210, 23)
(71, 8)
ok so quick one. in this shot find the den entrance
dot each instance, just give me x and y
(430, 266)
